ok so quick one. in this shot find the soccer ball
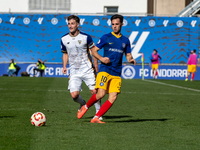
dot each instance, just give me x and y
(38, 119)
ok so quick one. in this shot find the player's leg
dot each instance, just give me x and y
(113, 90)
(102, 81)
(75, 86)
(77, 98)
(152, 67)
(193, 72)
(89, 80)
(156, 73)
(188, 72)
(97, 104)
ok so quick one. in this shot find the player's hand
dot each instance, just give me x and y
(105, 60)
(64, 71)
(133, 61)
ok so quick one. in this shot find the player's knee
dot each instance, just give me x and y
(112, 98)
(100, 95)
(74, 95)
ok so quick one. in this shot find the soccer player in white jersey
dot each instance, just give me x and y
(76, 46)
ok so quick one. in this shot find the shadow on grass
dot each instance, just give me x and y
(111, 117)
(7, 117)
(141, 120)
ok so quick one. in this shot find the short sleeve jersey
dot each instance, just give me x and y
(114, 48)
(77, 48)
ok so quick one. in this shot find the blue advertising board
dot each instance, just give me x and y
(128, 71)
(27, 37)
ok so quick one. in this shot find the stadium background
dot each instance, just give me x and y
(27, 37)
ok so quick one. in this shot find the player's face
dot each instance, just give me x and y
(154, 52)
(116, 26)
(73, 26)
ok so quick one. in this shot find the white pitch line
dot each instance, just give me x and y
(177, 86)
(146, 93)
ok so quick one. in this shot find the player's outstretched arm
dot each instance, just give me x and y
(130, 58)
(65, 60)
(104, 60)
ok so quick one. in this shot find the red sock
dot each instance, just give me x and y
(193, 76)
(156, 73)
(104, 108)
(91, 101)
(186, 77)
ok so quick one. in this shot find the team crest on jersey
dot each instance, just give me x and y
(123, 45)
(79, 41)
(101, 84)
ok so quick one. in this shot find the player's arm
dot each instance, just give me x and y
(96, 64)
(128, 53)
(65, 60)
(95, 53)
(130, 58)
(65, 57)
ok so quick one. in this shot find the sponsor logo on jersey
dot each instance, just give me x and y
(116, 50)
(111, 43)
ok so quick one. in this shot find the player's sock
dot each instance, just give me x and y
(192, 76)
(104, 108)
(156, 74)
(91, 101)
(97, 105)
(79, 100)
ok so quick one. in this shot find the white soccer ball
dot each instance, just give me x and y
(38, 119)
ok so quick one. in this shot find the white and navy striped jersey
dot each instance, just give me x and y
(77, 48)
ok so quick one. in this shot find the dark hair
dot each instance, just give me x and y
(12, 60)
(194, 50)
(155, 50)
(116, 16)
(76, 18)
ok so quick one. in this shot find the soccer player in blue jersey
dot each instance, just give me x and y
(109, 77)
(75, 47)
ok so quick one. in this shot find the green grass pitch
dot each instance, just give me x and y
(147, 115)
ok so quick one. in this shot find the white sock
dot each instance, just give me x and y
(79, 100)
(97, 105)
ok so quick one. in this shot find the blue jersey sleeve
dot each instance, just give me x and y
(63, 48)
(90, 42)
(101, 42)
